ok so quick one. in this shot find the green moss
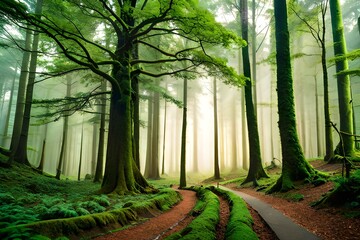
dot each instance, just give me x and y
(240, 221)
(204, 225)
(346, 193)
(78, 225)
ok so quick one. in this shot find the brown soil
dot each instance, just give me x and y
(327, 223)
(160, 226)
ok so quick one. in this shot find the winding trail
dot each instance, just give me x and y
(160, 226)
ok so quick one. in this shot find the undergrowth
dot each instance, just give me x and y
(28, 197)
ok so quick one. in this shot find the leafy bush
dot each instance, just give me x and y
(59, 211)
(6, 198)
(92, 206)
(103, 200)
(15, 214)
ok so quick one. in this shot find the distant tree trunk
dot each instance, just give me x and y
(155, 135)
(10, 105)
(64, 140)
(136, 120)
(256, 170)
(20, 154)
(164, 140)
(183, 139)
(149, 148)
(152, 157)
(294, 165)
(233, 137)
(253, 53)
(94, 146)
(195, 140)
(318, 135)
(42, 159)
(329, 144)
(343, 81)
(20, 102)
(245, 155)
(216, 135)
(81, 150)
(100, 154)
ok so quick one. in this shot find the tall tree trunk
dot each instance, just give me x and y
(121, 173)
(9, 107)
(216, 135)
(81, 150)
(195, 139)
(164, 139)
(20, 102)
(343, 81)
(149, 143)
(294, 165)
(253, 53)
(183, 139)
(64, 140)
(20, 154)
(152, 155)
(100, 153)
(118, 176)
(233, 137)
(136, 120)
(42, 159)
(256, 170)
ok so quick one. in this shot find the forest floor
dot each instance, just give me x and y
(327, 223)
(30, 197)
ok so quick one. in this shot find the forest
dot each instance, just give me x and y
(117, 116)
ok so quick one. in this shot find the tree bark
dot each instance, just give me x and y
(256, 170)
(294, 165)
(343, 81)
(216, 135)
(183, 139)
(100, 153)
(20, 102)
(20, 154)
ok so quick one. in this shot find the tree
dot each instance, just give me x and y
(294, 165)
(318, 34)
(216, 135)
(19, 153)
(20, 101)
(100, 154)
(256, 170)
(347, 142)
(133, 23)
(64, 140)
(183, 138)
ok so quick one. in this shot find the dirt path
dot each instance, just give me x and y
(160, 226)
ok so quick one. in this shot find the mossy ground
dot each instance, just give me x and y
(28, 197)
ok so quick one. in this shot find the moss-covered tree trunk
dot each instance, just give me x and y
(121, 174)
(294, 165)
(343, 80)
(118, 176)
(256, 170)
